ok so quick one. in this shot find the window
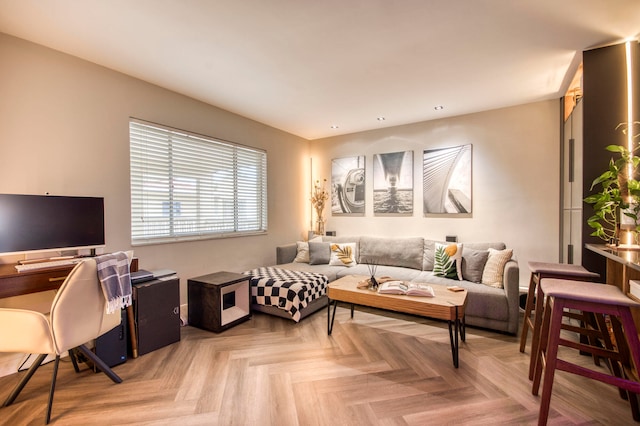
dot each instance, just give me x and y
(186, 186)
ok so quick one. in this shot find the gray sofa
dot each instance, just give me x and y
(412, 259)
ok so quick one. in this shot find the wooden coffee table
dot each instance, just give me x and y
(446, 305)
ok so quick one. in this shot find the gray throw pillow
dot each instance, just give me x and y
(473, 262)
(319, 253)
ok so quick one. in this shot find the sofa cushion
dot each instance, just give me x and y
(302, 250)
(429, 248)
(486, 246)
(427, 256)
(494, 269)
(473, 262)
(342, 254)
(395, 272)
(319, 253)
(447, 259)
(329, 271)
(482, 301)
(404, 252)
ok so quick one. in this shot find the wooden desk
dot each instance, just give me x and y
(14, 283)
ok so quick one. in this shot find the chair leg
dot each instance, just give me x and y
(53, 388)
(100, 364)
(16, 391)
(74, 360)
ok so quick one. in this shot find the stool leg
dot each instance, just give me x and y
(608, 344)
(540, 354)
(537, 325)
(632, 351)
(589, 319)
(550, 355)
(527, 313)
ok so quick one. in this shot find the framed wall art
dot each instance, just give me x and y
(348, 185)
(393, 183)
(446, 179)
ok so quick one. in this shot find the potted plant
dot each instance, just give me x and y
(617, 204)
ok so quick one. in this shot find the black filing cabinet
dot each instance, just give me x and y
(156, 305)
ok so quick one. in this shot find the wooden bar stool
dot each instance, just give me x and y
(599, 299)
(535, 299)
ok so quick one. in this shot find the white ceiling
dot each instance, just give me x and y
(305, 65)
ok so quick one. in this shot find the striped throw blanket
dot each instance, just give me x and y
(114, 275)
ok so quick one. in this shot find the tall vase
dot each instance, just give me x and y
(319, 226)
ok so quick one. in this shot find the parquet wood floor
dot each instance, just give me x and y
(380, 368)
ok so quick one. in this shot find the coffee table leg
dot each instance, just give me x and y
(453, 337)
(454, 342)
(330, 317)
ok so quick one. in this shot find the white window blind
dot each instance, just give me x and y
(186, 186)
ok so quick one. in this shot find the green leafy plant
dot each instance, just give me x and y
(619, 195)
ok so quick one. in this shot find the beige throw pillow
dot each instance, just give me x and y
(494, 269)
(343, 254)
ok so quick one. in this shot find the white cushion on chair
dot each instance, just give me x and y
(25, 331)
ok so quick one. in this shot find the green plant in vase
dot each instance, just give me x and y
(617, 204)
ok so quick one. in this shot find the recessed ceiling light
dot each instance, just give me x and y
(334, 126)
(380, 118)
(438, 107)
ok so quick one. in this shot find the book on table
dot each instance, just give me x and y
(408, 289)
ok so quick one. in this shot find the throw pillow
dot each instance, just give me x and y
(473, 262)
(494, 269)
(343, 254)
(302, 254)
(446, 261)
(302, 247)
(319, 253)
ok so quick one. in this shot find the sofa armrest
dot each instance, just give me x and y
(286, 253)
(511, 282)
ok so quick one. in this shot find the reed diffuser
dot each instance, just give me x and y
(373, 266)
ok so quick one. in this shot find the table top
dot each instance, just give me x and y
(442, 306)
(626, 255)
(221, 278)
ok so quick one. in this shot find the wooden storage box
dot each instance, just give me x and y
(219, 301)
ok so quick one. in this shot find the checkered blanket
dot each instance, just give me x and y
(290, 291)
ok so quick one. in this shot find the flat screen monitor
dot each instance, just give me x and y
(31, 223)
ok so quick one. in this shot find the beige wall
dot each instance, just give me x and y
(515, 179)
(64, 131)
